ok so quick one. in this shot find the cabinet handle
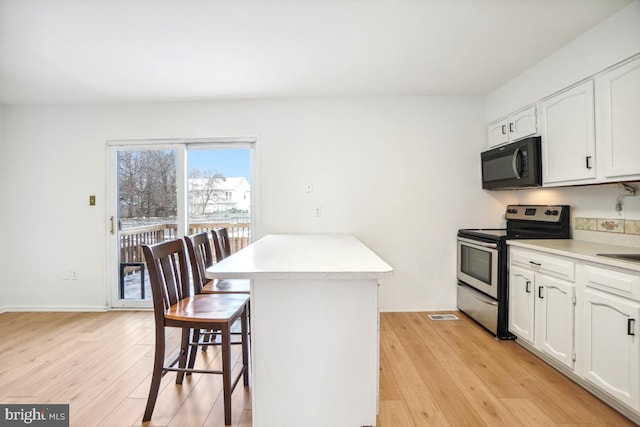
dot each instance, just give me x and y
(113, 227)
(540, 292)
(511, 127)
(630, 326)
(537, 264)
(526, 287)
(588, 161)
(504, 129)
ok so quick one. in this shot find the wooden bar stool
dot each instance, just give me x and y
(174, 306)
(201, 257)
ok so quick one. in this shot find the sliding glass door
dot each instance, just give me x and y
(164, 191)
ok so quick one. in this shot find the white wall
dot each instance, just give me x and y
(402, 174)
(608, 43)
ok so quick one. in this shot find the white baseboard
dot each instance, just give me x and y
(417, 310)
(15, 308)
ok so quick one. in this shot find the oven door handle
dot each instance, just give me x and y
(478, 243)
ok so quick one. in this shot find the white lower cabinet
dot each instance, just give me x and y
(541, 311)
(522, 303)
(610, 339)
(555, 299)
(583, 316)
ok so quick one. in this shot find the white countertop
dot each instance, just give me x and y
(302, 256)
(581, 249)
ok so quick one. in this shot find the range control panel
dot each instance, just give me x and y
(547, 213)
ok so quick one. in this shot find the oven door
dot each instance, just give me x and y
(478, 265)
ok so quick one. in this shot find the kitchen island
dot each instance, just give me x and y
(314, 328)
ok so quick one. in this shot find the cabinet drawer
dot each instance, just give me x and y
(615, 281)
(552, 265)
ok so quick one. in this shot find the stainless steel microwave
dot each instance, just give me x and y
(514, 165)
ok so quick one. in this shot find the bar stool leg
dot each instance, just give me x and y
(158, 367)
(184, 353)
(245, 345)
(226, 372)
(193, 350)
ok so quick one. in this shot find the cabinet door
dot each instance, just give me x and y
(521, 303)
(554, 318)
(618, 120)
(568, 136)
(498, 133)
(522, 124)
(611, 345)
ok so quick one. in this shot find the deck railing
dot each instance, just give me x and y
(132, 239)
(239, 233)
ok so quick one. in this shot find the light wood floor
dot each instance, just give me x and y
(432, 373)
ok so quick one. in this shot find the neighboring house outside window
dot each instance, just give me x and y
(219, 196)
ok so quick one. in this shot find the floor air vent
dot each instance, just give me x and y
(442, 317)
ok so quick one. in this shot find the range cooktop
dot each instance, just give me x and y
(528, 222)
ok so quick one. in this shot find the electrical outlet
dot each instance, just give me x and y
(317, 211)
(70, 275)
(308, 187)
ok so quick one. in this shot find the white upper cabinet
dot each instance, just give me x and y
(618, 121)
(590, 131)
(568, 137)
(517, 126)
(498, 132)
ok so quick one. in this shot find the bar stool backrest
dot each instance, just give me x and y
(201, 257)
(221, 243)
(168, 273)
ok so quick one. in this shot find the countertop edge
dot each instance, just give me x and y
(581, 249)
(301, 275)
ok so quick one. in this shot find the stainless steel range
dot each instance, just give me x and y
(483, 292)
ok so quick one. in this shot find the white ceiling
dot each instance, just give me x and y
(89, 51)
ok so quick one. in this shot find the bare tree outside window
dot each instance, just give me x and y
(203, 190)
(147, 184)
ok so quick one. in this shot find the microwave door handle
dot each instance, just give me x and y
(514, 163)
